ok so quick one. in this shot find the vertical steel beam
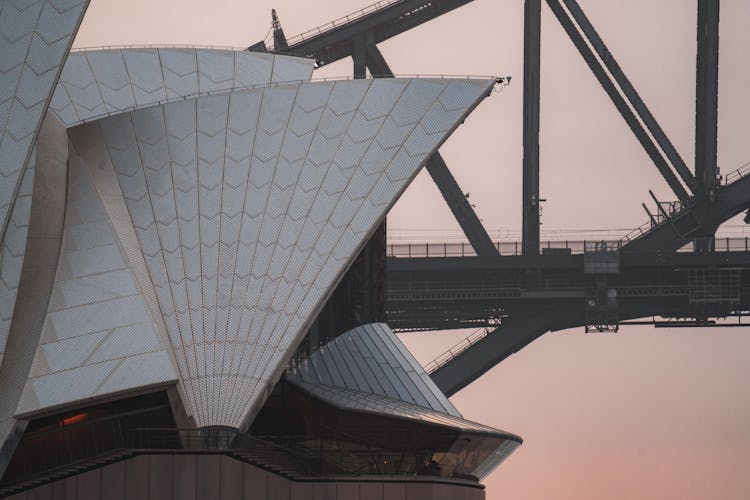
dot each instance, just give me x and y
(446, 183)
(707, 96)
(632, 95)
(377, 64)
(279, 39)
(622, 106)
(359, 56)
(531, 57)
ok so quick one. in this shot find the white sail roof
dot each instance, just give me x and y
(99, 336)
(35, 37)
(249, 206)
(98, 83)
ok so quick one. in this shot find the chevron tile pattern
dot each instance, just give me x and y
(12, 249)
(35, 37)
(249, 206)
(98, 83)
(98, 337)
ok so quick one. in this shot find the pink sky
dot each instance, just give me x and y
(642, 414)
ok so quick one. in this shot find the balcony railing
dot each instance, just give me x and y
(552, 247)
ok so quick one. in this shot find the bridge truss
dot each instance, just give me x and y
(672, 267)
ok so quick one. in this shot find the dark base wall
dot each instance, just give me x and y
(219, 477)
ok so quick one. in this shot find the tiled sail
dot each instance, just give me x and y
(250, 206)
(35, 37)
(12, 249)
(371, 358)
(99, 337)
(97, 83)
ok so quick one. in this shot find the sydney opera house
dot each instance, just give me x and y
(192, 265)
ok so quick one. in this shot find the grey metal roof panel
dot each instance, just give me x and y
(99, 336)
(35, 37)
(98, 83)
(355, 400)
(249, 206)
(12, 250)
(376, 356)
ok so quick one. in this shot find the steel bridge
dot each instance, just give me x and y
(672, 267)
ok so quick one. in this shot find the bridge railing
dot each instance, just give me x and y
(454, 351)
(552, 247)
(673, 209)
(341, 21)
(738, 174)
(719, 244)
(464, 249)
(638, 232)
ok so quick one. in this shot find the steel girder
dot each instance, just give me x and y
(512, 336)
(632, 95)
(330, 45)
(438, 170)
(707, 96)
(617, 99)
(531, 62)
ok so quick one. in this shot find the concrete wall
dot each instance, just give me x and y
(218, 477)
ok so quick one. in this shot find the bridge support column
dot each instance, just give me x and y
(359, 56)
(707, 96)
(531, 57)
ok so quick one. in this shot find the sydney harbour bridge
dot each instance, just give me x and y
(159, 332)
(672, 267)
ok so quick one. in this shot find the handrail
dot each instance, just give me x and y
(455, 350)
(341, 21)
(157, 46)
(571, 247)
(732, 177)
(736, 175)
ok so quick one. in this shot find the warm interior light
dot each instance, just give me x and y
(74, 419)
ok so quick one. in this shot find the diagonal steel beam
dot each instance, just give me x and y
(601, 75)
(446, 183)
(701, 220)
(381, 21)
(631, 93)
(507, 339)
(707, 95)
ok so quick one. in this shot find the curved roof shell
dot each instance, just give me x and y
(371, 358)
(248, 207)
(99, 83)
(99, 336)
(12, 250)
(369, 370)
(35, 37)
